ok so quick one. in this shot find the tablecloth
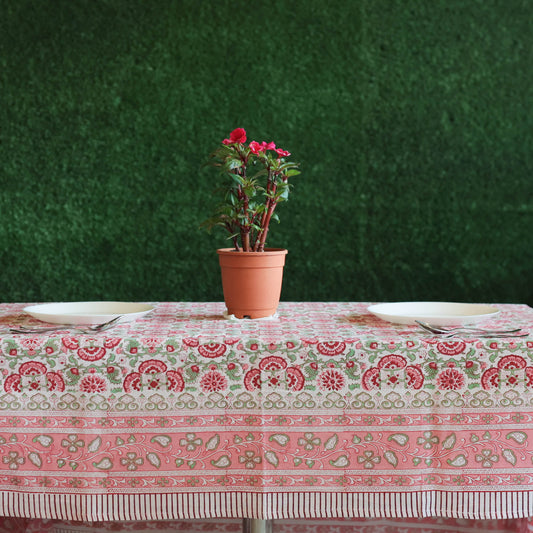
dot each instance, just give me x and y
(353, 525)
(321, 411)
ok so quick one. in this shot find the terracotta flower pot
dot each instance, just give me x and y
(252, 281)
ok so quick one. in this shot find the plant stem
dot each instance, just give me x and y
(246, 240)
(266, 223)
(267, 214)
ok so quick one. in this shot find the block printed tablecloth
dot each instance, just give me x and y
(324, 411)
(323, 525)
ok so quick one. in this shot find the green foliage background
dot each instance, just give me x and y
(411, 120)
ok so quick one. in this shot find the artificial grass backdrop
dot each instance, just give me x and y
(411, 120)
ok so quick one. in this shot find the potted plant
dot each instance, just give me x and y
(255, 179)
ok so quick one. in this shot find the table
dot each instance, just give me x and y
(323, 411)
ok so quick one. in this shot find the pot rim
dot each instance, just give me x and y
(268, 251)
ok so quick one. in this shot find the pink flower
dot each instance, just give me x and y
(282, 153)
(256, 148)
(238, 135)
(268, 146)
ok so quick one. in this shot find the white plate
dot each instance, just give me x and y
(437, 313)
(87, 312)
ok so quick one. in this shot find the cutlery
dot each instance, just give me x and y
(486, 335)
(482, 332)
(441, 330)
(87, 329)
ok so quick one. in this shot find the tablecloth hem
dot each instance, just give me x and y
(420, 504)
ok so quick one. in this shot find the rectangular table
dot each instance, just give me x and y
(323, 411)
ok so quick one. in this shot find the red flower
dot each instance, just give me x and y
(268, 146)
(111, 342)
(451, 347)
(91, 353)
(70, 343)
(55, 381)
(252, 379)
(192, 343)
(175, 381)
(256, 148)
(132, 382)
(273, 362)
(238, 135)
(212, 350)
(450, 379)
(295, 378)
(415, 378)
(331, 348)
(282, 153)
(152, 366)
(32, 368)
(12, 383)
(392, 361)
(490, 378)
(93, 384)
(512, 361)
(213, 381)
(332, 380)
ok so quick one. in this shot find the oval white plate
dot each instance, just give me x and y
(87, 312)
(437, 313)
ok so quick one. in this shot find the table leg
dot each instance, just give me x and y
(255, 525)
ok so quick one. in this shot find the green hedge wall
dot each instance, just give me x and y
(411, 120)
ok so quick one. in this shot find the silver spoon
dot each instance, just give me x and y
(88, 329)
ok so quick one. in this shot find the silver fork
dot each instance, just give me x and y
(451, 330)
(88, 329)
(480, 332)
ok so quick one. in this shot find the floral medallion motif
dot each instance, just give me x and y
(154, 375)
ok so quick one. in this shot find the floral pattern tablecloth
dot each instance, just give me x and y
(335, 525)
(321, 411)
